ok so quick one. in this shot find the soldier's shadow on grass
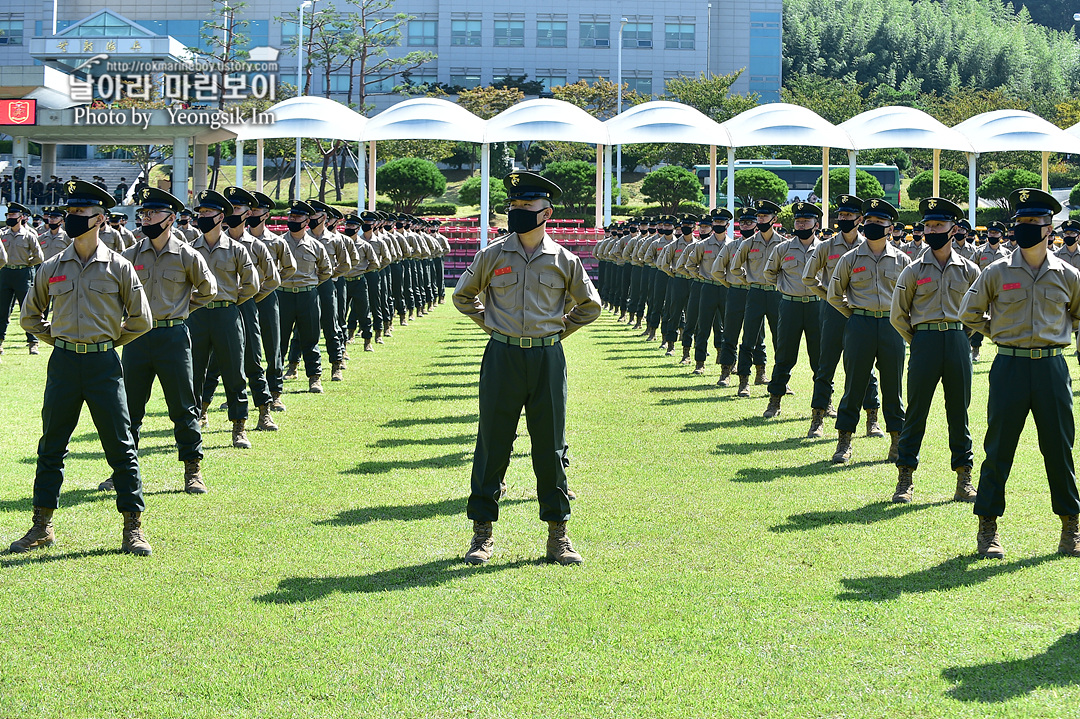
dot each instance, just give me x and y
(870, 514)
(730, 448)
(449, 419)
(738, 422)
(446, 385)
(682, 388)
(441, 397)
(465, 440)
(455, 459)
(70, 498)
(962, 571)
(1058, 666)
(472, 364)
(431, 574)
(43, 556)
(406, 512)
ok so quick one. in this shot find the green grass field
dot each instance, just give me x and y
(731, 571)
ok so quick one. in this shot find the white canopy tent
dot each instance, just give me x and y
(544, 119)
(662, 121)
(780, 123)
(908, 127)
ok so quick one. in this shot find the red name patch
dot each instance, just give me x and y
(140, 267)
(755, 250)
(679, 250)
(503, 271)
(834, 257)
(708, 252)
(789, 257)
(924, 280)
(1011, 286)
(859, 269)
(58, 278)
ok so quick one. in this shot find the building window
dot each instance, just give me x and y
(417, 78)
(465, 33)
(423, 33)
(11, 32)
(551, 34)
(257, 32)
(643, 85)
(765, 55)
(678, 36)
(508, 33)
(595, 34)
(551, 78)
(467, 79)
(637, 34)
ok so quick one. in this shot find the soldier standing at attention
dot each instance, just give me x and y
(356, 281)
(861, 289)
(97, 304)
(1029, 306)
(678, 286)
(800, 309)
(536, 294)
(176, 281)
(926, 312)
(376, 276)
(699, 264)
(990, 251)
(185, 228)
(338, 253)
(299, 300)
(816, 276)
(54, 240)
(734, 279)
(17, 277)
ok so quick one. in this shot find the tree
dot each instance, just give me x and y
(577, 180)
(486, 103)
(866, 185)
(600, 98)
(433, 150)
(469, 194)
(1074, 196)
(408, 181)
(669, 186)
(754, 183)
(951, 185)
(224, 43)
(1001, 184)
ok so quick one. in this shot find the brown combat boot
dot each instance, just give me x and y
(352, 336)
(637, 324)
(335, 372)
(843, 452)
(744, 386)
(378, 337)
(401, 320)
(773, 410)
(725, 375)
(987, 539)
(106, 486)
(894, 446)
(290, 373)
(482, 545)
(193, 481)
(1070, 535)
(904, 489)
(965, 491)
(134, 539)
(276, 405)
(651, 335)
(830, 411)
(718, 360)
(389, 331)
(974, 355)
(670, 349)
(622, 315)
(817, 423)
(239, 434)
(873, 429)
(759, 375)
(266, 422)
(204, 417)
(315, 384)
(40, 534)
(559, 548)
(699, 368)
(685, 355)
(367, 345)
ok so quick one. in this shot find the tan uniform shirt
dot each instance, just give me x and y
(265, 264)
(176, 281)
(366, 260)
(312, 262)
(52, 245)
(667, 259)
(279, 248)
(785, 265)
(89, 302)
(546, 294)
(862, 281)
(927, 293)
(701, 256)
(724, 272)
(642, 248)
(129, 238)
(337, 250)
(652, 254)
(111, 238)
(913, 249)
(235, 273)
(967, 250)
(1016, 306)
(679, 265)
(987, 254)
(752, 254)
(189, 233)
(631, 247)
(1070, 255)
(382, 250)
(819, 268)
(22, 247)
(3, 255)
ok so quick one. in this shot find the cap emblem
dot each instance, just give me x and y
(1024, 195)
(931, 204)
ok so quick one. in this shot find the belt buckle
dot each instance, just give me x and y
(1036, 354)
(942, 326)
(80, 348)
(523, 340)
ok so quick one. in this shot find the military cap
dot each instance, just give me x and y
(918, 227)
(151, 198)
(704, 220)
(185, 212)
(764, 207)
(1029, 202)
(300, 208)
(877, 207)
(214, 201)
(369, 216)
(938, 208)
(688, 220)
(746, 213)
(721, 215)
(352, 219)
(965, 224)
(53, 212)
(849, 203)
(827, 232)
(318, 206)
(1069, 226)
(240, 196)
(264, 200)
(806, 210)
(1000, 227)
(530, 186)
(79, 194)
(117, 216)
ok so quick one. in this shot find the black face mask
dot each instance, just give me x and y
(917, 238)
(348, 231)
(76, 225)
(993, 241)
(960, 237)
(365, 227)
(747, 231)
(764, 226)
(874, 232)
(686, 230)
(666, 232)
(183, 220)
(254, 222)
(936, 240)
(400, 225)
(1069, 240)
(312, 224)
(719, 229)
(846, 225)
(1028, 235)
(294, 226)
(205, 224)
(804, 234)
(153, 230)
(234, 221)
(55, 225)
(11, 222)
(521, 220)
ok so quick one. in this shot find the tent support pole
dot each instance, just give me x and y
(973, 199)
(599, 214)
(1045, 171)
(937, 172)
(852, 159)
(731, 188)
(260, 160)
(712, 178)
(607, 184)
(371, 178)
(485, 192)
(824, 187)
